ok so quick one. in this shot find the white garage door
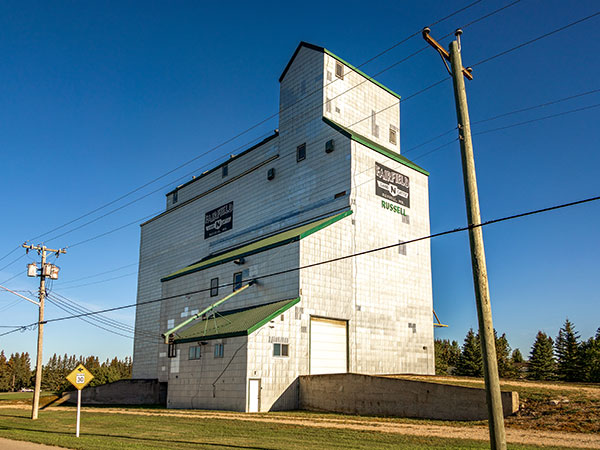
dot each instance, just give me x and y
(328, 346)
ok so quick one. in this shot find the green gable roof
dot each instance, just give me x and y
(374, 146)
(286, 237)
(234, 323)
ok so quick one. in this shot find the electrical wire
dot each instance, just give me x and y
(12, 262)
(329, 261)
(261, 122)
(564, 113)
(524, 44)
(100, 274)
(11, 252)
(430, 140)
(541, 105)
(101, 281)
(102, 319)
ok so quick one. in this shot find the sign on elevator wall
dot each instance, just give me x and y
(392, 185)
(218, 220)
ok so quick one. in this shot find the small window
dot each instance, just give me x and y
(393, 136)
(329, 77)
(281, 349)
(224, 170)
(237, 281)
(219, 350)
(301, 152)
(172, 350)
(402, 248)
(195, 352)
(174, 197)
(339, 70)
(327, 105)
(214, 287)
(329, 146)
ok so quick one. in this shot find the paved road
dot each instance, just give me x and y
(8, 444)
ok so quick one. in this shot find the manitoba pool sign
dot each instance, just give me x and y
(218, 220)
(392, 185)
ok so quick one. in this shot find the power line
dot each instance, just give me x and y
(242, 132)
(270, 117)
(99, 274)
(430, 140)
(101, 281)
(329, 261)
(11, 252)
(529, 108)
(536, 39)
(12, 262)
(584, 108)
(58, 305)
(421, 91)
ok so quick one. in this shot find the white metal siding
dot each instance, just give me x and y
(328, 346)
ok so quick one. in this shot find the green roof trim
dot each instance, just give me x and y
(374, 146)
(261, 245)
(240, 322)
(360, 72)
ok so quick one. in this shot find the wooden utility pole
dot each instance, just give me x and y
(480, 279)
(44, 272)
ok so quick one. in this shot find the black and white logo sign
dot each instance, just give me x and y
(218, 220)
(392, 185)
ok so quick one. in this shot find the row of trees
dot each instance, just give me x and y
(566, 358)
(16, 372)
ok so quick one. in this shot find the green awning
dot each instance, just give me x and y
(241, 322)
(260, 245)
(374, 146)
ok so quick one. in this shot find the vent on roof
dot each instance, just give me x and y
(271, 173)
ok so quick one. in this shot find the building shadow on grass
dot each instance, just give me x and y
(132, 438)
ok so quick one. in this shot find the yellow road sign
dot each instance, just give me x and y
(80, 377)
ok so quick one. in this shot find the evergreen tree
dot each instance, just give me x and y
(541, 361)
(590, 359)
(517, 357)
(4, 373)
(506, 369)
(568, 358)
(470, 362)
(446, 357)
(20, 371)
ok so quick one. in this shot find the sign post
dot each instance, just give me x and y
(79, 378)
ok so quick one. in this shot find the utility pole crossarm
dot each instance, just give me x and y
(442, 51)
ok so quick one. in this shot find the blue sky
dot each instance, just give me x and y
(99, 98)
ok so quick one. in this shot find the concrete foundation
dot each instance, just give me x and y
(122, 392)
(372, 395)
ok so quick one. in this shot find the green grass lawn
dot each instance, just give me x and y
(115, 431)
